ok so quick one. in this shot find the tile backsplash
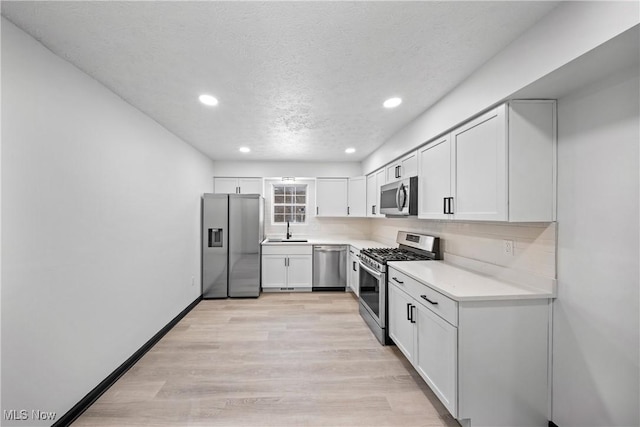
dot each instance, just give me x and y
(480, 246)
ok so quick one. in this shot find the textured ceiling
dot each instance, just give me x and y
(295, 80)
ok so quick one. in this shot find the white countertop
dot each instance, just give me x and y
(464, 285)
(357, 243)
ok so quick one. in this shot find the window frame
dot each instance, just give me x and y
(292, 204)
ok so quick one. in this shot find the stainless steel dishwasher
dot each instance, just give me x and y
(330, 267)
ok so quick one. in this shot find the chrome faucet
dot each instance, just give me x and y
(288, 232)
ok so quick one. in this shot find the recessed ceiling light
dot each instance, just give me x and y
(392, 102)
(245, 149)
(208, 100)
(350, 150)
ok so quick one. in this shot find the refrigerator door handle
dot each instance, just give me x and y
(215, 237)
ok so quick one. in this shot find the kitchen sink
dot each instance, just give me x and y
(287, 240)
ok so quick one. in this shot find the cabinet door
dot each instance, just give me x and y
(250, 185)
(437, 356)
(480, 168)
(357, 206)
(300, 273)
(434, 179)
(274, 271)
(392, 172)
(354, 273)
(380, 181)
(331, 196)
(401, 330)
(225, 185)
(409, 166)
(372, 194)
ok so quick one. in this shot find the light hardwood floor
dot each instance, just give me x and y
(298, 359)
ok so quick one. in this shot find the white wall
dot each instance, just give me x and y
(596, 329)
(280, 169)
(568, 32)
(101, 228)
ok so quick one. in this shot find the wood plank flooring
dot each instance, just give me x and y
(297, 359)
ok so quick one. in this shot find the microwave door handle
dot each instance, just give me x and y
(399, 204)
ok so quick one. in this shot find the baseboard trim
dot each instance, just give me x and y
(552, 424)
(94, 394)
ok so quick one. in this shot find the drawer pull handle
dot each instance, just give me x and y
(399, 281)
(424, 297)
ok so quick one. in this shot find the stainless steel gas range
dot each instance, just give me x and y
(373, 276)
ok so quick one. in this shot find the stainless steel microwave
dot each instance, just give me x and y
(400, 198)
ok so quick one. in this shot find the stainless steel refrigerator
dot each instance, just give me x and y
(232, 230)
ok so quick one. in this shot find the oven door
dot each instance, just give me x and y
(373, 293)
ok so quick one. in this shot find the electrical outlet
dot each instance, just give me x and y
(507, 246)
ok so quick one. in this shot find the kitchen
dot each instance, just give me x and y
(105, 269)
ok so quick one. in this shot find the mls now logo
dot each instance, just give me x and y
(23, 414)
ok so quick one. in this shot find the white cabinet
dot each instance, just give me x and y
(480, 168)
(375, 180)
(357, 194)
(332, 196)
(237, 185)
(434, 179)
(287, 268)
(406, 167)
(487, 361)
(401, 329)
(436, 355)
(353, 275)
(497, 167)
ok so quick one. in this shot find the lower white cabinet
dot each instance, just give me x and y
(487, 361)
(287, 268)
(401, 327)
(353, 273)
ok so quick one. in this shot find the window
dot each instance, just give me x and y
(289, 203)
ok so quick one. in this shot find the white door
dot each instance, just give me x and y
(300, 273)
(274, 271)
(380, 181)
(409, 166)
(372, 194)
(250, 185)
(393, 172)
(331, 196)
(357, 206)
(225, 185)
(434, 179)
(437, 356)
(401, 329)
(480, 166)
(354, 273)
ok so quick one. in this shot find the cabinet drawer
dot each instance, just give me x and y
(287, 249)
(440, 304)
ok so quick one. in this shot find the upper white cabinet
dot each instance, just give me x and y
(375, 180)
(434, 179)
(237, 185)
(404, 168)
(497, 167)
(357, 195)
(332, 196)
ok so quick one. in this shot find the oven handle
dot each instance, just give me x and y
(374, 273)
